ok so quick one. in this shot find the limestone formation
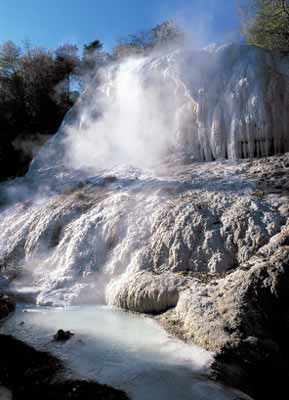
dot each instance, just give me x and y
(145, 292)
(118, 208)
(129, 243)
(226, 102)
(243, 317)
(237, 106)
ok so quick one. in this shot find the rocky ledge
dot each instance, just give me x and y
(244, 318)
(206, 246)
(241, 312)
(7, 305)
(28, 373)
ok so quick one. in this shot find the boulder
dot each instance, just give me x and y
(62, 336)
(243, 317)
(29, 373)
(7, 305)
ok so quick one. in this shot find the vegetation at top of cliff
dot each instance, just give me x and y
(266, 24)
(164, 35)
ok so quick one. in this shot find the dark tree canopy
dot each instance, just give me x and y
(34, 85)
(35, 95)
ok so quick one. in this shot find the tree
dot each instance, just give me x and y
(12, 89)
(34, 83)
(67, 54)
(167, 34)
(266, 24)
(91, 56)
(93, 59)
(9, 58)
(164, 35)
(66, 67)
(35, 95)
(91, 47)
(127, 48)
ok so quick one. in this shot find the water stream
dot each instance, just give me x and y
(114, 211)
(125, 350)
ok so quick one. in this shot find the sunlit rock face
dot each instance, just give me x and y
(238, 108)
(128, 241)
(120, 208)
(109, 212)
(227, 102)
(235, 103)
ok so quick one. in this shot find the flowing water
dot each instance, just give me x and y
(111, 212)
(122, 349)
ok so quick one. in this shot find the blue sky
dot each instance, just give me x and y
(50, 23)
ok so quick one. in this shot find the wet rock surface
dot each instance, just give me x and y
(271, 175)
(205, 244)
(62, 336)
(5, 394)
(21, 364)
(29, 373)
(197, 218)
(244, 318)
(7, 305)
(74, 390)
(33, 374)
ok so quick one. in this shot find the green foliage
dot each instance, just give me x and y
(266, 24)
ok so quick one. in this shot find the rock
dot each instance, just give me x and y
(109, 179)
(222, 107)
(5, 394)
(211, 224)
(70, 390)
(21, 364)
(12, 162)
(243, 317)
(7, 305)
(4, 283)
(32, 374)
(143, 245)
(63, 336)
(145, 292)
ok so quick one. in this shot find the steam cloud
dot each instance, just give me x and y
(128, 120)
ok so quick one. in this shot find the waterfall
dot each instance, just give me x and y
(226, 102)
(110, 213)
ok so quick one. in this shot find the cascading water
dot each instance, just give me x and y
(108, 199)
(112, 211)
(227, 102)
